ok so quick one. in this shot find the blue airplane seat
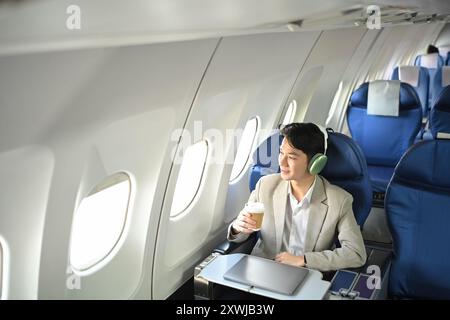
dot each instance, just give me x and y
(432, 62)
(443, 52)
(439, 116)
(419, 79)
(265, 159)
(384, 139)
(429, 60)
(439, 82)
(417, 208)
(346, 167)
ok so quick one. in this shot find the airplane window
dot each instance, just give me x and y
(245, 148)
(290, 112)
(334, 106)
(99, 222)
(190, 177)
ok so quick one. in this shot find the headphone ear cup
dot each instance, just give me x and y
(317, 163)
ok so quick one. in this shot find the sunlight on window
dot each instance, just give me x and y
(99, 222)
(245, 148)
(190, 177)
(337, 98)
(290, 112)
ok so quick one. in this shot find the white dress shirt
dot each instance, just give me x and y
(296, 222)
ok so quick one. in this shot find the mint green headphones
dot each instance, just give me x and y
(319, 160)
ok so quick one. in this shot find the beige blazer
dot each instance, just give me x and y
(330, 214)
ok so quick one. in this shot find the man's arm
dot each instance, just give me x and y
(352, 253)
(233, 234)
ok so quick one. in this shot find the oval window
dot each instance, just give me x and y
(99, 222)
(190, 177)
(245, 148)
(290, 112)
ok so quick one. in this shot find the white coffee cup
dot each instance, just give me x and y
(256, 210)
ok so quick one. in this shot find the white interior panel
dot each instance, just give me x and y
(97, 112)
(334, 50)
(25, 177)
(27, 26)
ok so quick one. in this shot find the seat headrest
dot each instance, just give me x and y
(429, 60)
(442, 102)
(445, 76)
(443, 51)
(383, 98)
(425, 166)
(408, 97)
(409, 74)
(343, 158)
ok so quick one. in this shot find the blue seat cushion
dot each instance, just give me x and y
(380, 177)
(440, 114)
(417, 210)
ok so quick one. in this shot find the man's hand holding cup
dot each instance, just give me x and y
(250, 219)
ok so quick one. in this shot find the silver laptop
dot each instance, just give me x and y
(267, 274)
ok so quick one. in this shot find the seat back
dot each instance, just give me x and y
(440, 81)
(418, 78)
(346, 167)
(443, 52)
(417, 208)
(265, 159)
(384, 139)
(440, 114)
(432, 62)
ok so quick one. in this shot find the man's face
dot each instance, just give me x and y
(293, 162)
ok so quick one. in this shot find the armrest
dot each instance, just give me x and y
(352, 283)
(228, 247)
(203, 289)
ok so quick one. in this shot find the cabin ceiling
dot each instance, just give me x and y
(40, 25)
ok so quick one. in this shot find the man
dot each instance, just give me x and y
(303, 211)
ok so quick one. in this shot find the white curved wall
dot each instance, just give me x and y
(25, 178)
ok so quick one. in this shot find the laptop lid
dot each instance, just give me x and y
(267, 274)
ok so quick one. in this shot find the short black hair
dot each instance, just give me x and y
(432, 49)
(306, 137)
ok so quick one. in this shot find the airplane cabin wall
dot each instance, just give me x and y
(332, 53)
(444, 37)
(87, 114)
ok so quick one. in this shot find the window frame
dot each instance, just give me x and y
(173, 215)
(107, 182)
(249, 154)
